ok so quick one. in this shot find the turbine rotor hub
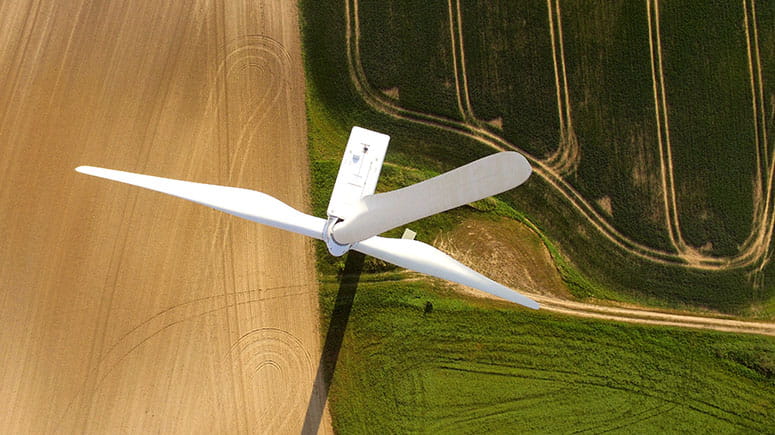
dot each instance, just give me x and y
(335, 248)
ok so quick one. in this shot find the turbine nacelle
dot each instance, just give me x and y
(356, 215)
(357, 178)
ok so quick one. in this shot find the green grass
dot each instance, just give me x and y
(472, 366)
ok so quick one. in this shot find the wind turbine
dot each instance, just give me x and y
(356, 215)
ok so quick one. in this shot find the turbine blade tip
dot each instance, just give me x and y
(526, 302)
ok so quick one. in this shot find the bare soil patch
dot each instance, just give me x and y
(393, 93)
(605, 204)
(507, 252)
(512, 254)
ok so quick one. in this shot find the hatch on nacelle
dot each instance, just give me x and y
(359, 171)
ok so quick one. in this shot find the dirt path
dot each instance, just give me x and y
(129, 311)
(653, 317)
(488, 247)
(635, 315)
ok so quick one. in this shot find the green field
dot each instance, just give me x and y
(418, 357)
(712, 126)
(587, 78)
(510, 73)
(465, 367)
(612, 103)
(421, 68)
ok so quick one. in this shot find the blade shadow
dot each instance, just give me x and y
(340, 316)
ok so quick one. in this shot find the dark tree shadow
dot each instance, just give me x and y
(333, 342)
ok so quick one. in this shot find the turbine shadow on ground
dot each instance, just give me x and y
(340, 315)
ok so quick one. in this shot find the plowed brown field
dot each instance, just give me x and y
(123, 310)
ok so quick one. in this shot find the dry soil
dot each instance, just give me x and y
(123, 310)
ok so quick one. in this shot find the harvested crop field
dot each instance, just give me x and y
(124, 310)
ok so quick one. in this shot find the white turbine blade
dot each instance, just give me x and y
(247, 204)
(420, 257)
(375, 214)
